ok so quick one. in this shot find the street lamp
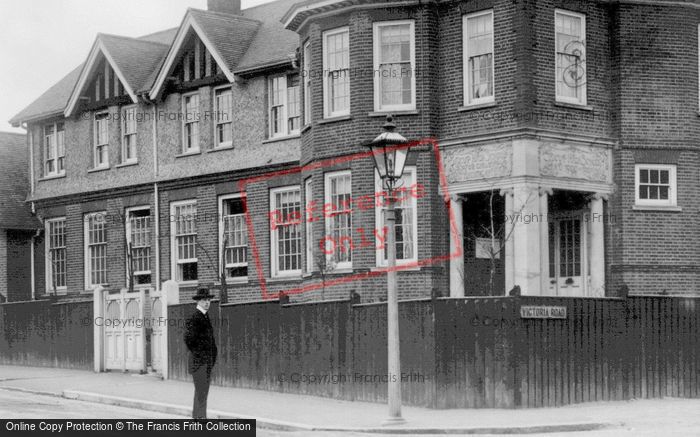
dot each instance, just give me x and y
(390, 150)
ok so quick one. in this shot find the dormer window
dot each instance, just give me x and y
(54, 150)
(101, 149)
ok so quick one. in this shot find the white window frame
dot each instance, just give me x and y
(89, 285)
(96, 144)
(52, 151)
(327, 111)
(127, 229)
(185, 122)
(306, 77)
(381, 260)
(129, 112)
(222, 199)
(308, 225)
(285, 132)
(218, 122)
(468, 101)
(48, 264)
(584, 90)
(672, 183)
(344, 265)
(174, 261)
(377, 80)
(274, 254)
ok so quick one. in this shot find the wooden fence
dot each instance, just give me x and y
(458, 353)
(43, 333)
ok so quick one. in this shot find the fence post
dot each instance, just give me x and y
(142, 315)
(98, 308)
(170, 295)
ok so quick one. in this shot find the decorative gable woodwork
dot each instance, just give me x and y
(196, 66)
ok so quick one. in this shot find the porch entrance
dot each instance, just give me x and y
(568, 237)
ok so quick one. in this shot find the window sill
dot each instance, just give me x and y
(335, 119)
(475, 106)
(184, 155)
(657, 208)
(284, 279)
(188, 283)
(573, 106)
(126, 164)
(399, 268)
(48, 178)
(284, 138)
(220, 149)
(394, 113)
(343, 271)
(98, 169)
(233, 281)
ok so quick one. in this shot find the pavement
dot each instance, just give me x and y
(291, 412)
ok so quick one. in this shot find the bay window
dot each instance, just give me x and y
(336, 68)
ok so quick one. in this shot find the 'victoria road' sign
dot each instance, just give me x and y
(542, 312)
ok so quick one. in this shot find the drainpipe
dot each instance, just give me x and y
(156, 196)
(31, 261)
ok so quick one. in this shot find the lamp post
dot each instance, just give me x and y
(390, 150)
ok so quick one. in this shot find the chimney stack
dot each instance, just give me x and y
(226, 6)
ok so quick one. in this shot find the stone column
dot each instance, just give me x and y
(527, 239)
(98, 312)
(456, 247)
(508, 223)
(544, 238)
(597, 247)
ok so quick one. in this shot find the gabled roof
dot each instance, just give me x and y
(52, 102)
(225, 36)
(270, 45)
(133, 60)
(14, 183)
(273, 44)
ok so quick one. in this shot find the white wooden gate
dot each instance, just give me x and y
(124, 330)
(158, 325)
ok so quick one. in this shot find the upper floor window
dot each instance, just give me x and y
(570, 34)
(285, 230)
(101, 149)
(478, 58)
(336, 65)
(284, 105)
(655, 185)
(184, 240)
(406, 226)
(54, 149)
(233, 236)
(56, 254)
(190, 126)
(307, 83)
(95, 249)
(339, 219)
(138, 239)
(224, 117)
(394, 66)
(129, 137)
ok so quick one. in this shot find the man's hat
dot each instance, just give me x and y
(202, 293)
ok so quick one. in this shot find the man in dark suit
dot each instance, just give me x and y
(199, 338)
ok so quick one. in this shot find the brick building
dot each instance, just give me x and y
(567, 150)
(18, 228)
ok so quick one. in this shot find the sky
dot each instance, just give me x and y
(43, 40)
